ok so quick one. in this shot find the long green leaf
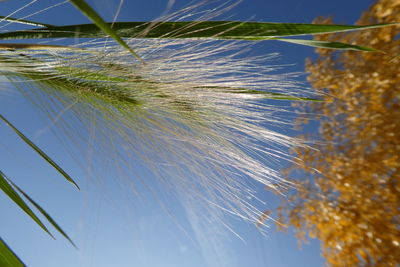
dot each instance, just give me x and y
(329, 45)
(104, 26)
(266, 95)
(189, 29)
(6, 187)
(43, 212)
(25, 22)
(39, 151)
(15, 46)
(8, 257)
(278, 96)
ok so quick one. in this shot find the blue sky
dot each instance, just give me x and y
(110, 227)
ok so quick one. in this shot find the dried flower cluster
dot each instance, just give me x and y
(352, 202)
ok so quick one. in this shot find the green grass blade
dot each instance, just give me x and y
(278, 96)
(15, 46)
(328, 45)
(6, 187)
(104, 26)
(266, 95)
(39, 151)
(43, 212)
(25, 22)
(189, 29)
(8, 257)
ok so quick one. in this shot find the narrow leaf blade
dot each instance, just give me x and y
(25, 22)
(188, 29)
(6, 187)
(104, 26)
(43, 212)
(39, 151)
(15, 46)
(8, 257)
(328, 45)
(279, 96)
(264, 94)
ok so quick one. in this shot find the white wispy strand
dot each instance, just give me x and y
(193, 116)
(187, 115)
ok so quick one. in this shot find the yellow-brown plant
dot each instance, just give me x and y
(348, 195)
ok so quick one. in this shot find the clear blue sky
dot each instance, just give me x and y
(110, 228)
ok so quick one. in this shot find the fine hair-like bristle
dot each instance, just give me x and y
(195, 115)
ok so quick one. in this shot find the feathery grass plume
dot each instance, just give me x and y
(195, 115)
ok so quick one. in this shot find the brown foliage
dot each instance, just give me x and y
(352, 202)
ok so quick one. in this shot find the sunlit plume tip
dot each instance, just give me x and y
(199, 115)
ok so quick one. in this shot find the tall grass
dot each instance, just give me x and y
(196, 108)
(196, 115)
